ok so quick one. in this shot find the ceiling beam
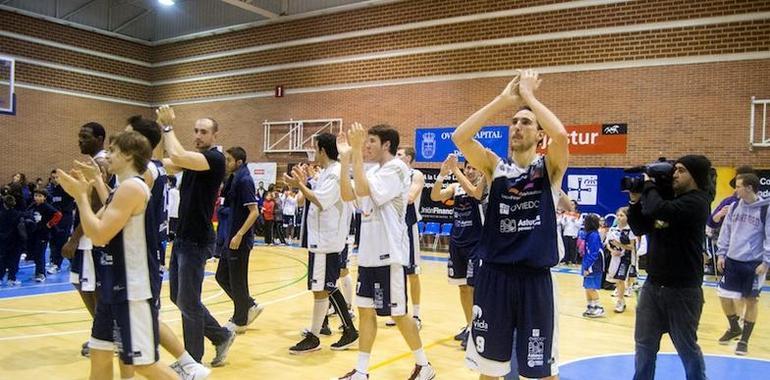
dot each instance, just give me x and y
(132, 20)
(247, 5)
(78, 10)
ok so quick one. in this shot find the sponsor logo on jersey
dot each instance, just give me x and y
(528, 224)
(507, 225)
(535, 349)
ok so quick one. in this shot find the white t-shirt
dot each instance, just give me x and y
(326, 231)
(289, 205)
(384, 239)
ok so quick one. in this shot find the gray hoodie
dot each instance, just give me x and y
(743, 236)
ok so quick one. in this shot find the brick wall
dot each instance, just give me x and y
(684, 108)
(44, 133)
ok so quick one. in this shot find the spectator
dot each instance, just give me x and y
(47, 217)
(173, 207)
(12, 233)
(289, 212)
(268, 206)
(570, 223)
(593, 267)
(278, 216)
(64, 203)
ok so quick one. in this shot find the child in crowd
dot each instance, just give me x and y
(46, 218)
(620, 243)
(12, 233)
(593, 266)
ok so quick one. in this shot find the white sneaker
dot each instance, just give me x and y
(53, 269)
(628, 292)
(254, 312)
(423, 372)
(620, 307)
(354, 375)
(195, 371)
(597, 312)
(390, 322)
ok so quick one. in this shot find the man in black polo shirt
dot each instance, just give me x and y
(203, 172)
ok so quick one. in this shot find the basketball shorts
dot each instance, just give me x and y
(323, 271)
(460, 265)
(83, 271)
(383, 289)
(740, 280)
(513, 303)
(131, 327)
(619, 268)
(413, 267)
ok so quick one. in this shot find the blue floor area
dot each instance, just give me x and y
(668, 366)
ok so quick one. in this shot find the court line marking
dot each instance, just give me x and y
(660, 353)
(396, 358)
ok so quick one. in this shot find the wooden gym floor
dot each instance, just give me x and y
(40, 335)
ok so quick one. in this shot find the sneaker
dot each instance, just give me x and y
(615, 293)
(620, 307)
(418, 322)
(325, 330)
(354, 375)
(177, 368)
(222, 350)
(390, 322)
(40, 278)
(195, 371)
(742, 349)
(309, 344)
(729, 335)
(230, 325)
(53, 269)
(628, 292)
(462, 334)
(349, 338)
(254, 312)
(12, 283)
(597, 312)
(85, 351)
(589, 311)
(423, 372)
(23, 257)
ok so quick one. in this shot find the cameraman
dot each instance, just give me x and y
(671, 299)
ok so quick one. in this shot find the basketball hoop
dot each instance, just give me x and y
(310, 155)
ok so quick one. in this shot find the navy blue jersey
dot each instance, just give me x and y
(156, 214)
(468, 219)
(239, 195)
(520, 226)
(130, 268)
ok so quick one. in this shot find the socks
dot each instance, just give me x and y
(347, 290)
(335, 297)
(733, 319)
(747, 329)
(593, 303)
(363, 362)
(420, 357)
(416, 310)
(319, 313)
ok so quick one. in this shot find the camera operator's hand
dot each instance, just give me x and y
(721, 264)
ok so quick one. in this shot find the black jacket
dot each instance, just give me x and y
(675, 232)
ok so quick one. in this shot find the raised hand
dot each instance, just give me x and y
(529, 82)
(343, 147)
(448, 165)
(74, 183)
(89, 170)
(511, 92)
(165, 115)
(357, 136)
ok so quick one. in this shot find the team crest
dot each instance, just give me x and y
(428, 148)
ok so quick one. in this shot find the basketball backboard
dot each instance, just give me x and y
(7, 95)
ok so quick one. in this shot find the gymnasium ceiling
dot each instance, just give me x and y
(148, 21)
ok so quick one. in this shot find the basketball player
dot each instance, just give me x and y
(78, 249)
(127, 318)
(467, 193)
(326, 237)
(384, 249)
(513, 287)
(412, 217)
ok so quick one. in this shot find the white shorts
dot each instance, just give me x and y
(87, 276)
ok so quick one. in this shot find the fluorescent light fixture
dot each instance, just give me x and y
(166, 2)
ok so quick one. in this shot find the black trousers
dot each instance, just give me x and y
(675, 311)
(268, 232)
(233, 276)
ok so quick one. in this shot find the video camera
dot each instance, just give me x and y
(661, 171)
